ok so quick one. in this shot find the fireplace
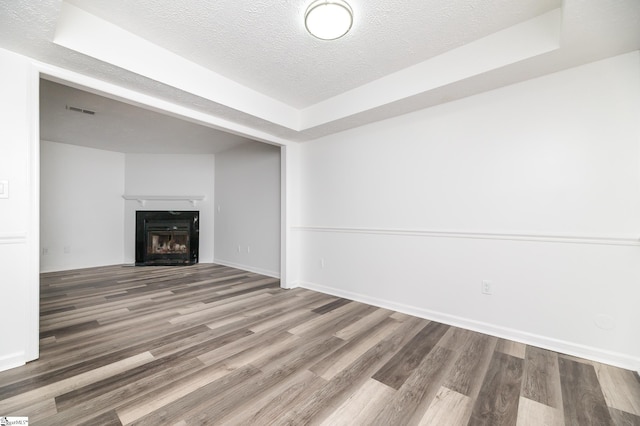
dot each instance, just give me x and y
(167, 237)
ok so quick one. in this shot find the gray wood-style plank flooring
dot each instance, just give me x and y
(209, 344)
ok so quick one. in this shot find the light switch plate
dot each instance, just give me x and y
(4, 189)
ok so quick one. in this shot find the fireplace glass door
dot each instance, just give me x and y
(166, 238)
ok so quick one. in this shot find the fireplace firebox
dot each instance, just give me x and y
(167, 237)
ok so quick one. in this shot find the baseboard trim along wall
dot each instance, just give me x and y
(582, 351)
(12, 360)
(293, 284)
(549, 238)
(78, 267)
(272, 274)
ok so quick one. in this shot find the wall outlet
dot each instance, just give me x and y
(4, 189)
(45, 251)
(239, 249)
(248, 249)
(486, 287)
(322, 263)
(67, 249)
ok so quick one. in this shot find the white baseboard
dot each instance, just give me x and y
(293, 284)
(556, 345)
(272, 274)
(45, 270)
(13, 360)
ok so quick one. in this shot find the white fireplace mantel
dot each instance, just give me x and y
(142, 199)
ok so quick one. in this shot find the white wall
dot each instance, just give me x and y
(290, 220)
(248, 208)
(19, 212)
(170, 174)
(535, 187)
(82, 218)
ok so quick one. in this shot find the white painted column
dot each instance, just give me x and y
(19, 211)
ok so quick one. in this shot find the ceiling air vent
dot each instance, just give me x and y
(76, 109)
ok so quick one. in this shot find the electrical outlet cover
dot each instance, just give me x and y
(4, 189)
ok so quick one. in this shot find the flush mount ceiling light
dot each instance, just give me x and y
(328, 19)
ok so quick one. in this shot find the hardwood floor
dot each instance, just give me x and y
(208, 344)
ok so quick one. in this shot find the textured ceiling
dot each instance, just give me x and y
(120, 127)
(263, 44)
(251, 63)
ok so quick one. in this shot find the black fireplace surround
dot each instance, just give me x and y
(167, 238)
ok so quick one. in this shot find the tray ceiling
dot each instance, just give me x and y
(252, 62)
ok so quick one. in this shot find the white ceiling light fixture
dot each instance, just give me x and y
(328, 19)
